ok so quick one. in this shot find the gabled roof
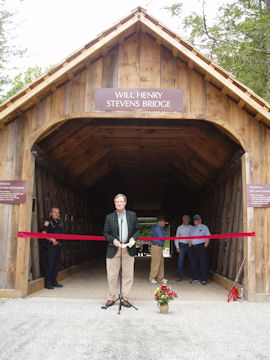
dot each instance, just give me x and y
(138, 19)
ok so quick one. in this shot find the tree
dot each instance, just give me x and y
(22, 80)
(7, 51)
(238, 40)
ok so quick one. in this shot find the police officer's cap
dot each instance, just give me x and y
(197, 217)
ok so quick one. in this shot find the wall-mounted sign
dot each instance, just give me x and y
(258, 195)
(12, 192)
(138, 99)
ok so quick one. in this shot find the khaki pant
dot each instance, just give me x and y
(157, 263)
(113, 268)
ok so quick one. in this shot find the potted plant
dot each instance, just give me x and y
(163, 296)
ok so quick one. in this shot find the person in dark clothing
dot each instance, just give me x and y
(198, 252)
(53, 249)
(121, 230)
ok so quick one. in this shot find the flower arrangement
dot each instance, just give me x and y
(164, 295)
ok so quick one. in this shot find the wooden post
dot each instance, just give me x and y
(23, 244)
(248, 222)
(35, 264)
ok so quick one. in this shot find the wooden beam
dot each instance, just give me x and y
(47, 162)
(175, 52)
(241, 103)
(63, 132)
(190, 64)
(36, 99)
(10, 293)
(70, 75)
(222, 281)
(207, 77)
(183, 178)
(90, 178)
(219, 175)
(89, 159)
(248, 220)
(217, 135)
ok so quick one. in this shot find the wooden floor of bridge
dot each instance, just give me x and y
(91, 283)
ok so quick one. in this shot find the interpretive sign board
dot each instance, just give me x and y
(12, 192)
(258, 195)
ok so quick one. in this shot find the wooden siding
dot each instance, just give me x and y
(90, 151)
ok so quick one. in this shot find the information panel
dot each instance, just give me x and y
(109, 99)
(258, 195)
(12, 192)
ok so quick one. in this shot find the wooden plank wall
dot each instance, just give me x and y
(221, 210)
(10, 169)
(140, 61)
(77, 217)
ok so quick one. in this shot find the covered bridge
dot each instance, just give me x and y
(137, 110)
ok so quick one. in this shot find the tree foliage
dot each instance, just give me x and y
(22, 80)
(7, 50)
(238, 39)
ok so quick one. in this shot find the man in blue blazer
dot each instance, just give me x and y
(121, 227)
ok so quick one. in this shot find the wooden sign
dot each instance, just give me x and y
(12, 192)
(258, 195)
(110, 99)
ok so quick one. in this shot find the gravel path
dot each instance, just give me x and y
(53, 328)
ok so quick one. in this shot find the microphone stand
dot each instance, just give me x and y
(120, 297)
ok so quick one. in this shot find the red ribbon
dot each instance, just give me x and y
(36, 235)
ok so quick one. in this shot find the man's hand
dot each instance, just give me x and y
(116, 243)
(131, 242)
(54, 242)
(206, 243)
(178, 250)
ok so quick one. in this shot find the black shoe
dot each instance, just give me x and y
(58, 285)
(203, 282)
(49, 286)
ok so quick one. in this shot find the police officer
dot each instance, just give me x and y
(198, 252)
(53, 250)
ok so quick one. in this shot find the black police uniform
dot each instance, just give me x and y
(53, 253)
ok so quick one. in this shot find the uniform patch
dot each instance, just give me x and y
(46, 223)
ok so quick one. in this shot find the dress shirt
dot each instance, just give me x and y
(124, 233)
(199, 230)
(182, 230)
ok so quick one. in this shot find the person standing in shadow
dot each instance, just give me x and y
(183, 230)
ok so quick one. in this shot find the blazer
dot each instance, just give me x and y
(111, 232)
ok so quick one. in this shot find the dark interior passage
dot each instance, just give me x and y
(163, 166)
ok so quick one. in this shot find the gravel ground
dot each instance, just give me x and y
(54, 328)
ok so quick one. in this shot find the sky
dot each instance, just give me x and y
(51, 30)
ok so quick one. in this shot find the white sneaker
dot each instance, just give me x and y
(153, 281)
(164, 281)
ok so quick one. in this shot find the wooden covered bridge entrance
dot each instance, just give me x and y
(196, 159)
